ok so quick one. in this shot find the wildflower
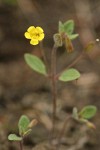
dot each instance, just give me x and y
(34, 34)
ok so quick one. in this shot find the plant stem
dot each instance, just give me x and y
(53, 85)
(21, 145)
(63, 128)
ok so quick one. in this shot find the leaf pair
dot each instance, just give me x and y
(65, 35)
(68, 28)
(86, 113)
(24, 126)
(36, 64)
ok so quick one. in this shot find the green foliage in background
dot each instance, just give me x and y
(9, 2)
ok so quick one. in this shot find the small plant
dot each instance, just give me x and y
(25, 127)
(63, 37)
(85, 114)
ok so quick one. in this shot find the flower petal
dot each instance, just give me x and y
(41, 37)
(39, 29)
(27, 35)
(34, 42)
(31, 28)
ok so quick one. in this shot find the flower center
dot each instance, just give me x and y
(35, 35)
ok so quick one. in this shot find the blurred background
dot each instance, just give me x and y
(22, 91)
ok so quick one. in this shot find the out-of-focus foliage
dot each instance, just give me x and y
(9, 2)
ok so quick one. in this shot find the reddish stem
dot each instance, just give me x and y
(21, 145)
(53, 85)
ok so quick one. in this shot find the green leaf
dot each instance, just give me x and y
(35, 63)
(73, 36)
(88, 112)
(61, 27)
(69, 75)
(14, 137)
(23, 124)
(58, 40)
(69, 27)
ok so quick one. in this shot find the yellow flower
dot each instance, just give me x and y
(34, 34)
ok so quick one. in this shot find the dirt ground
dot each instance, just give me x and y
(22, 91)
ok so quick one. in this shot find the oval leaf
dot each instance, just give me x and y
(69, 75)
(69, 26)
(23, 124)
(14, 137)
(35, 63)
(88, 112)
